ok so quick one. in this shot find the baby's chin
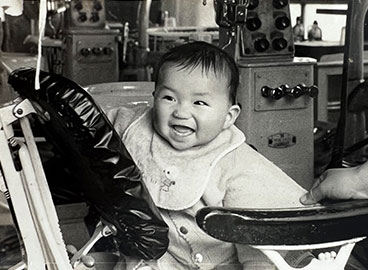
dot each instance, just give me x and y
(181, 146)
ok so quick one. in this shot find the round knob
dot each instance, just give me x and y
(295, 92)
(253, 4)
(107, 50)
(97, 50)
(85, 51)
(261, 45)
(312, 91)
(279, 44)
(82, 17)
(280, 3)
(284, 87)
(282, 22)
(277, 93)
(94, 17)
(97, 6)
(266, 91)
(78, 6)
(183, 230)
(253, 24)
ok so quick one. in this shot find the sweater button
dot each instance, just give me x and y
(198, 258)
(183, 230)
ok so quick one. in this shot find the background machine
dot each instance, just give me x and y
(91, 50)
(276, 92)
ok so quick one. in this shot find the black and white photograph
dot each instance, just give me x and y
(183, 135)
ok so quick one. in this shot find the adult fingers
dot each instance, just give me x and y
(315, 194)
(312, 197)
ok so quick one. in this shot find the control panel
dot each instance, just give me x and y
(91, 55)
(86, 13)
(94, 50)
(285, 90)
(277, 113)
(263, 28)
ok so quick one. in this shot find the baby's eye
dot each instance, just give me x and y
(201, 103)
(169, 98)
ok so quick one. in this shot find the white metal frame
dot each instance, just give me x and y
(29, 193)
(337, 262)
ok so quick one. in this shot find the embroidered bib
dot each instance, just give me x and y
(175, 179)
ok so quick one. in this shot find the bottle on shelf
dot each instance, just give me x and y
(298, 29)
(314, 32)
(169, 21)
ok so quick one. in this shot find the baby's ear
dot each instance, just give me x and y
(231, 116)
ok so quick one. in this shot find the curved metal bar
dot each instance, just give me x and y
(352, 71)
(143, 19)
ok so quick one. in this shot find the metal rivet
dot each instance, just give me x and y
(183, 230)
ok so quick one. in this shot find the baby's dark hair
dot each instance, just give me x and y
(206, 55)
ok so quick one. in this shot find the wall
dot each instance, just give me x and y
(330, 24)
(191, 12)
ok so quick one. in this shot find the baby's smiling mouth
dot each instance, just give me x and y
(182, 130)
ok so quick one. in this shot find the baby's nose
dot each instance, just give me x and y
(181, 111)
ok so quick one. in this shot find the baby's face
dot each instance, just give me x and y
(190, 107)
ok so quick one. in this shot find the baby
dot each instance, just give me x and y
(192, 155)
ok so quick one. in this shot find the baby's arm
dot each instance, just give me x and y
(255, 182)
(122, 117)
(261, 184)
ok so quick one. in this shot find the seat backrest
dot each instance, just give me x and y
(128, 94)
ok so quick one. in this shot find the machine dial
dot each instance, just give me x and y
(284, 87)
(313, 91)
(94, 17)
(253, 24)
(97, 51)
(282, 22)
(85, 52)
(280, 3)
(97, 6)
(279, 44)
(82, 17)
(78, 6)
(108, 50)
(253, 4)
(294, 92)
(261, 44)
(275, 93)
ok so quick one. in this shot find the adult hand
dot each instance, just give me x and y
(340, 184)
